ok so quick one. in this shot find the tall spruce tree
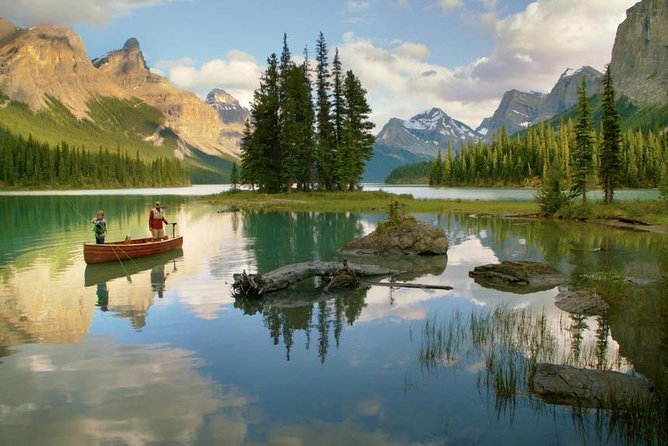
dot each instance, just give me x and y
(582, 158)
(436, 174)
(337, 96)
(610, 163)
(356, 146)
(325, 137)
(266, 135)
(234, 177)
(250, 157)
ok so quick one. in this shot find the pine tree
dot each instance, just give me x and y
(266, 135)
(325, 137)
(337, 96)
(250, 157)
(356, 138)
(582, 154)
(436, 174)
(234, 177)
(610, 163)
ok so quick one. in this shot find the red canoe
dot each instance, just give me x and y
(128, 249)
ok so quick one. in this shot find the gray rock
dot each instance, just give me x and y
(581, 302)
(560, 384)
(517, 276)
(408, 238)
(639, 61)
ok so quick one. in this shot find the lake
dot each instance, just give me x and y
(417, 191)
(157, 351)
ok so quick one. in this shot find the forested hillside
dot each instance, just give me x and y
(25, 162)
(522, 158)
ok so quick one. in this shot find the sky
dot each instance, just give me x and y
(411, 55)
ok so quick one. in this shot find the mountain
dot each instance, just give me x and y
(639, 61)
(51, 89)
(518, 109)
(50, 61)
(228, 108)
(417, 139)
(425, 133)
(230, 112)
(186, 114)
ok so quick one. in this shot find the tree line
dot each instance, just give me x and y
(25, 162)
(295, 141)
(582, 156)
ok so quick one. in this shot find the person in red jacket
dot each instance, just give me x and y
(155, 220)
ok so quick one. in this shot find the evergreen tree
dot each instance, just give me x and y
(610, 164)
(325, 137)
(436, 175)
(266, 134)
(234, 177)
(356, 138)
(250, 157)
(337, 96)
(582, 154)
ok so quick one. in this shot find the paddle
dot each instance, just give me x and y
(173, 226)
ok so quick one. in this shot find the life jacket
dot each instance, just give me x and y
(156, 219)
(100, 227)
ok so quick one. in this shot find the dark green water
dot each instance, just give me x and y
(158, 352)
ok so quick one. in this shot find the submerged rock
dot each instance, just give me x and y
(560, 384)
(517, 276)
(410, 237)
(586, 302)
(411, 267)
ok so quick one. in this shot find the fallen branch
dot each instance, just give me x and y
(251, 285)
(407, 285)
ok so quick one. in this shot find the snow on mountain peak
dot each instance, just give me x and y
(571, 72)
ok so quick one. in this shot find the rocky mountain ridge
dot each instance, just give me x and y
(49, 61)
(518, 110)
(639, 61)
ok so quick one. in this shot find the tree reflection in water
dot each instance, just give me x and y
(286, 312)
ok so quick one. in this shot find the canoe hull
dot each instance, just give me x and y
(126, 250)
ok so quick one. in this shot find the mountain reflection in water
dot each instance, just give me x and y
(158, 351)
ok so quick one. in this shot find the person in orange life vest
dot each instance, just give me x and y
(155, 220)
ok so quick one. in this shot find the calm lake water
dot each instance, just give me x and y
(157, 351)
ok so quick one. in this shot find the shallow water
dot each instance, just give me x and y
(157, 351)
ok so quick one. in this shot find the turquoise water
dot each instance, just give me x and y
(417, 191)
(157, 351)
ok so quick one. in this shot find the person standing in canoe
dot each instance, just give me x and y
(155, 220)
(100, 227)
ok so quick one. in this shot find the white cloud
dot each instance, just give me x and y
(449, 5)
(238, 74)
(70, 12)
(357, 5)
(531, 49)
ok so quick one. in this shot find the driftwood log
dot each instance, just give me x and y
(338, 275)
(257, 284)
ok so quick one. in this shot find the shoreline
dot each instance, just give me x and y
(649, 215)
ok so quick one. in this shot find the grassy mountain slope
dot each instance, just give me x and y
(633, 117)
(131, 125)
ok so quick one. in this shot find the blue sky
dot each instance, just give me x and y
(460, 55)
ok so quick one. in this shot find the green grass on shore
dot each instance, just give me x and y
(361, 201)
(651, 211)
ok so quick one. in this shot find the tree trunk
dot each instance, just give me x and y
(285, 276)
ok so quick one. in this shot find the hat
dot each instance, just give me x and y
(157, 203)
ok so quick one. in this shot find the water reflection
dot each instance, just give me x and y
(300, 363)
(102, 393)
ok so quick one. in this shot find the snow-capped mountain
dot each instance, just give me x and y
(416, 139)
(425, 133)
(227, 106)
